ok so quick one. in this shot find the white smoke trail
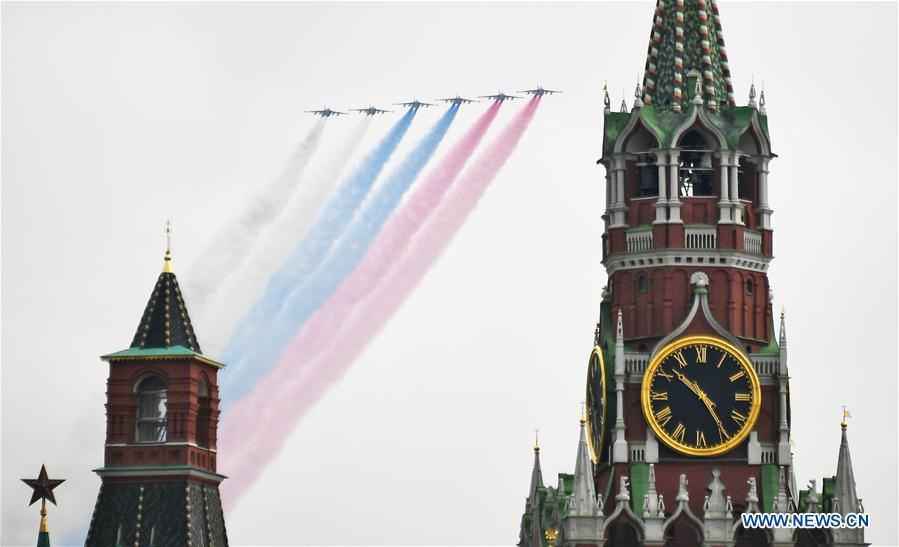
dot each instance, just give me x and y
(245, 285)
(229, 248)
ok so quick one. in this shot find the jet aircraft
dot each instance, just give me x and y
(370, 111)
(327, 112)
(539, 92)
(457, 100)
(415, 104)
(500, 97)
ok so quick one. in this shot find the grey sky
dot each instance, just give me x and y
(119, 115)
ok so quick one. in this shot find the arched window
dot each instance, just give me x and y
(203, 413)
(750, 286)
(648, 178)
(695, 174)
(642, 283)
(151, 410)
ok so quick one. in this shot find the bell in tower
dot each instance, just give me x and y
(159, 481)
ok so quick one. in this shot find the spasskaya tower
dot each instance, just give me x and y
(687, 421)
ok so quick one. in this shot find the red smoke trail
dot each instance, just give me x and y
(314, 359)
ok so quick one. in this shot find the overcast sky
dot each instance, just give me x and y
(117, 116)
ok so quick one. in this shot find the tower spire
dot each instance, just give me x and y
(583, 495)
(536, 476)
(845, 496)
(165, 322)
(686, 37)
(606, 101)
(638, 94)
(844, 488)
(782, 340)
(167, 264)
(752, 102)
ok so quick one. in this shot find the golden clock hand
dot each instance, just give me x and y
(693, 387)
(711, 406)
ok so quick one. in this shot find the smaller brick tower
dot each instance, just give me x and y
(159, 481)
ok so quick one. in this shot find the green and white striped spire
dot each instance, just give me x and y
(686, 43)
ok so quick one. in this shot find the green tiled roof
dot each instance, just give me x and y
(172, 352)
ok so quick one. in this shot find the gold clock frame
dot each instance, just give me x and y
(594, 450)
(754, 410)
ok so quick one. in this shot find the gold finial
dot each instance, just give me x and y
(846, 414)
(551, 536)
(583, 412)
(167, 265)
(536, 440)
(44, 527)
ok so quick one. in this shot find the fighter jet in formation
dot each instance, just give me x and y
(370, 111)
(500, 97)
(539, 92)
(457, 100)
(327, 112)
(415, 104)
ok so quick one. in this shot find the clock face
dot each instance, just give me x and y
(701, 396)
(596, 403)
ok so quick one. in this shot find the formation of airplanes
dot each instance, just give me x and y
(415, 103)
(500, 97)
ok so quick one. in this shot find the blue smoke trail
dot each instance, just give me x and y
(315, 289)
(327, 227)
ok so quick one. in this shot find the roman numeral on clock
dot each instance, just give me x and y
(678, 433)
(741, 397)
(700, 439)
(662, 373)
(663, 416)
(702, 353)
(658, 396)
(737, 417)
(737, 376)
(681, 360)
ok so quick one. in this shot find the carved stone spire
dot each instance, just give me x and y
(752, 102)
(752, 497)
(762, 102)
(717, 501)
(583, 496)
(811, 501)
(844, 492)
(606, 101)
(782, 339)
(651, 503)
(536, 479)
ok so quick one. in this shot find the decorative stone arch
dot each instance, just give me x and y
(623, 528)
(750, 144)
(759, 135)
(145, 373)
(817, 537)
(755, 537)
(683, 529)
(635, 123)
(698, 118)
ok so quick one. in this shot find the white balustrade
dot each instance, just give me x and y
(701, 238)
(639, 241)
(752, 242)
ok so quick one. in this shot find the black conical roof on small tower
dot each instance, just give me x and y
(165, 322)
